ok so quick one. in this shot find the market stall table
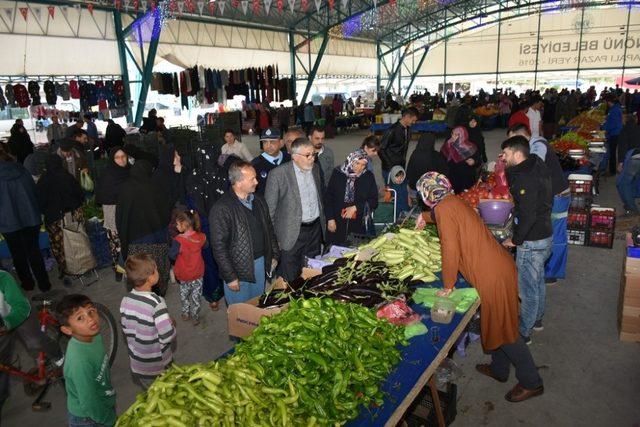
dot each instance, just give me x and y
(420, 359)
(433, 126)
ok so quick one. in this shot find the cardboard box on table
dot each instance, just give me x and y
(244, 317)
(629, 301)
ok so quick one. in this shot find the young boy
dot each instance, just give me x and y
(91, 399)
(146, 322)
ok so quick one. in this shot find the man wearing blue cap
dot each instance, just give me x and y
(271, 157)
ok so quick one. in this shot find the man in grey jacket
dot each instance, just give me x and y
(293, 194)
(324, 155)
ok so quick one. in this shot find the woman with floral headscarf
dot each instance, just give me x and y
(469, 248)
(350, 196)
(462, 156)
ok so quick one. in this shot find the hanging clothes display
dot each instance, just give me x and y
(50, 92)
(34, 91)
(21, 96)
(3, 101)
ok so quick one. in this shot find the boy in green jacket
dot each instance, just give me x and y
(14, 309)
(91, 399)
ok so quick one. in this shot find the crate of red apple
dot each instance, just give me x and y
(486, 189)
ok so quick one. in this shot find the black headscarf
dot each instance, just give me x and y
(58, 191)
(114, 135)
(475, 136)
(111, 180)
(424, 159)
(165, 176)
(142, 208)
(20, 143)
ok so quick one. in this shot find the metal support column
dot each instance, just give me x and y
(124, 70)
(624, 59)
(580, 48)
(446, 41)
(535, 75)
(292, 54)
(314, 70)
(416, 70)
(148, 67)
(396, 69)
(498, 47)
(379, 69)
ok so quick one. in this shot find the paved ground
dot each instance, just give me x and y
(591, 378)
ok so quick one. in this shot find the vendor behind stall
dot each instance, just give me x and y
(469, 248)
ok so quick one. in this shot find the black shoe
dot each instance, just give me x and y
(551, 281)
(538, 326)
(527, 340)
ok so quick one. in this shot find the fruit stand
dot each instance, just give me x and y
(325, 357)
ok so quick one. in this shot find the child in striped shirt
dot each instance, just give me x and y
(148, 328)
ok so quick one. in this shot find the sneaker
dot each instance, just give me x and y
(551, 281)
(527, 340)
(538, 326)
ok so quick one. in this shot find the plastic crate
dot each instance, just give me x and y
(580, 201)
(577, 237)
(600, 219)
(580, 183)
(578, 219)
(601, 238)
(422, 412)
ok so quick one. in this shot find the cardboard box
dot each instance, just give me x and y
(632, 266)
(243, 318)
(629, 304)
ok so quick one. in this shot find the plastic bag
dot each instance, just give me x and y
(85, 181)
(464, 298)
(415, 329)
(447, 372)
(398, 313)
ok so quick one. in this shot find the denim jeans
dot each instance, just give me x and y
(530, 261)
(402, 192)
(626, 184)
(83, 421)
(247, 290)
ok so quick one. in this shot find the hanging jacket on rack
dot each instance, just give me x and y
(21, 96)
(34, 91)
(10, 94)
(109, 92)
(62, 89)
(50, 92)
(3, 101)
(74, 89)
(119, 92)
(176, 85)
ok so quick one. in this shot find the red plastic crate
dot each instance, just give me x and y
(580, 201)
(579, 183)
(601, 238)
(603, 218)
(578, 219)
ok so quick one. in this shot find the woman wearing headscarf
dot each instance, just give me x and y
(20, 143)
(351, 195)
(476, 136)
(462, 157)
(142, 217)
(60, 197)
(469, 248)
(425, 158)
(171, 175)
(107, 191)
(114, 135)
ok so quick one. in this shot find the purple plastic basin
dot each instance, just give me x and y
(495, 212)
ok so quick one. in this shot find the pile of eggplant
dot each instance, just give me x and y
(368, 283)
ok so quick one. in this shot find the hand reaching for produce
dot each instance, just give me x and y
(444, 292)
(234, 286)
(508, 243)
(331, 226)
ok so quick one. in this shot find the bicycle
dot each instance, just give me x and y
(37, 380)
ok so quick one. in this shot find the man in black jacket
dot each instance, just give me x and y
(557, 262)
(530, 185)
(242, 237)
(393, 152)
(271, 157)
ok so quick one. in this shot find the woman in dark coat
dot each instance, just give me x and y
(171, 175)
(143, 213)
(59, 194)
(476, 136)
(462, 157)
(114, 135)
(424, 159)
(20, 222)
(108, 189)
(20, 143)
(351, 195)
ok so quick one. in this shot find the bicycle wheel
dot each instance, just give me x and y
(109, 331)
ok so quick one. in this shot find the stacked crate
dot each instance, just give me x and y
(578, 216)
(588, 224)
(629, 301)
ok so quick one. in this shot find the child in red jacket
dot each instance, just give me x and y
(186, 250)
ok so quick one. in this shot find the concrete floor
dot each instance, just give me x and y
(591, 378)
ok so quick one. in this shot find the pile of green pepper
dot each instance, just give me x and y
(313, 364)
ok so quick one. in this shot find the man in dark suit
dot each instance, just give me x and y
(271, 157)
(293, 194)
